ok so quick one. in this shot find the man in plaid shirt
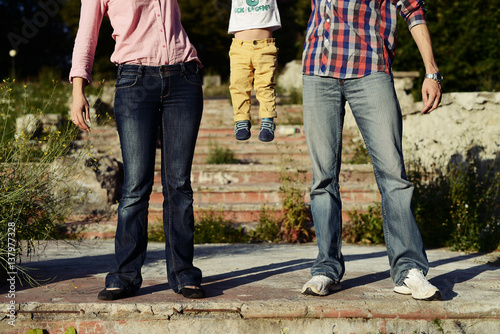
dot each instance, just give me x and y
(348, 53)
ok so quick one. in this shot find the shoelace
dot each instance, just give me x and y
(242, 126)
(266, 125)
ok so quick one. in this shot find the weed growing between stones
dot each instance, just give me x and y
(366, 228)
(268, 228)
(295, 224)
(212, 227)
(218, 155)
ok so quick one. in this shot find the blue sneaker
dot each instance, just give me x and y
(242, 130)
(267, 128)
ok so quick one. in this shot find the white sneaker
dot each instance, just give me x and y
(416, 285)
(320, 285)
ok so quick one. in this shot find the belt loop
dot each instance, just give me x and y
(183, 70)
(120, 68)
(140, 71)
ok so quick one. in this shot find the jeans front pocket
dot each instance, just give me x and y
(126, 80)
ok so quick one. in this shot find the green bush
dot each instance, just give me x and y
(212, 227)
(268, 228)
(458, 206)
(35, 197)
(365, 228)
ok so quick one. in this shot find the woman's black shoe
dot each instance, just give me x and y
(114, 294)
(193, 293)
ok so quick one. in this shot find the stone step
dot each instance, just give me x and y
(246, 214)
(203, 174)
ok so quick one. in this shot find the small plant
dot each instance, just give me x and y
(212, 227)
(156, 233)
(360, 155)
(297, 218)
(365, 228)
(268, 228)
(218, 155)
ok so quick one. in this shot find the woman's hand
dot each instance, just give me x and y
(80, 115)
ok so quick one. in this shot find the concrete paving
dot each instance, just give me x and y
(252, 288)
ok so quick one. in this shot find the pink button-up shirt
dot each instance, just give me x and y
(147, 32)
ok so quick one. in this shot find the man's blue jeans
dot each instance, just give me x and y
(148, 98)
(376, 110)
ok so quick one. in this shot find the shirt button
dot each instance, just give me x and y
(327, 42)
(255, 42)
(328, 20)
(163, 45)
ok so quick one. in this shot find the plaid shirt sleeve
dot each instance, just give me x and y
(412, 11)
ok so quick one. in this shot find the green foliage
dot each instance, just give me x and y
(218, 155)
(212, 227)
(70, 330)
(156, 233)
(360, 155)
(459, 206)
(295, 225)
(35, 331)
(34, 193)
(365, 228)
(268, 228)
(465, 42)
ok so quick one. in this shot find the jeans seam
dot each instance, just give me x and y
(169, 203)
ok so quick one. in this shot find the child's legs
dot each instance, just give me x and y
(241, 79)
(265, 63)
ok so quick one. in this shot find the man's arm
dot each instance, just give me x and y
(431, 89)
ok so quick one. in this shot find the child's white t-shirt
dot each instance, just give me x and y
(254, 14)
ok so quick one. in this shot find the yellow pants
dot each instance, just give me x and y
(253, 62)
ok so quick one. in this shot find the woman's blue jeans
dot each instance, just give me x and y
(376, 110)
(149, 98)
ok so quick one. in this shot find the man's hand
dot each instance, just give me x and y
(80, 115)
(431, 95)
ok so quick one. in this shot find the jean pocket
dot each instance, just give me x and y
(126, 81)
(193, 79)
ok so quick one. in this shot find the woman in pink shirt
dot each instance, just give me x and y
(158, 87)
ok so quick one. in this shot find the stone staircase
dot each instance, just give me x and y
(241, 190)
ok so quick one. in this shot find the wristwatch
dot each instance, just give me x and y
(435, 76)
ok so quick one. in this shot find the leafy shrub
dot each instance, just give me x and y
(268, 228)
(218, 155)
(458, 206)
(297, 219)
(365, 228)
(34, 195)
(212, 227)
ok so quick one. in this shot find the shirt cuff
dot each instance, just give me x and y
(415, 18)
(74, 73)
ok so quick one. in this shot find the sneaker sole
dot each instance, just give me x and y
(332, 288)
(402, 290)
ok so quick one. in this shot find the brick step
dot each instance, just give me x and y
(246, 214)
(266, 193)
(250, 174)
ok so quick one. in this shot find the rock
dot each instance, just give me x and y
(109, 173)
